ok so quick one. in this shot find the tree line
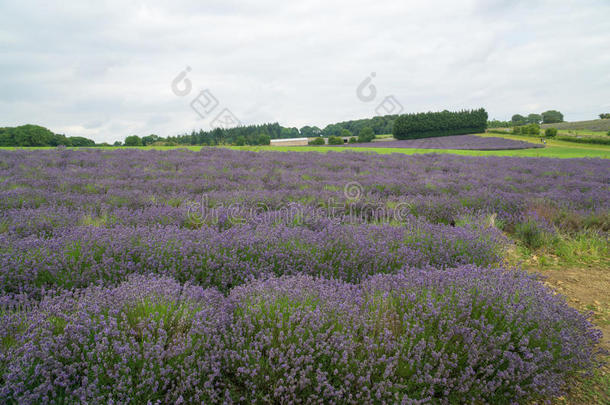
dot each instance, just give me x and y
(243, 135)
(443, 123)
(35, 135)
(362, 130)
(381, 124)
(547, 117)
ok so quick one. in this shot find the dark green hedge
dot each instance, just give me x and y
(443, 123)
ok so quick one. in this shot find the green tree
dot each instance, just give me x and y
(366, 135)
(550, 132)
(35, 135)
(498, 124)
(264, 139)
(133, 140)
(310, 132)
(534, 118)
(518, 119)
(530, 129)
(316, 141)
(150, 139)
(335, 140)
(80, 141)
(346, 133)
(552, 117)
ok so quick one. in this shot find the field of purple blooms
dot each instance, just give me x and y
(461, 142)
(220, 276)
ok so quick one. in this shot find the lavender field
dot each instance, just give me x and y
(460, 142)
(221, 276)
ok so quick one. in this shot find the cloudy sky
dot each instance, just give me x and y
(104, 69)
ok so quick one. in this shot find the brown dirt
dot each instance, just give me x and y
(586, 289)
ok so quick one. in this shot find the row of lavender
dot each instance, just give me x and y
(210, 257)
(459, 142)
(177, 243)
(467, 335)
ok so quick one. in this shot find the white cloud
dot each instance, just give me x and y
(103, 69)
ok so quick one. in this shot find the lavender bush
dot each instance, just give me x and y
(465, 335)
(460, 142)
(145, 340)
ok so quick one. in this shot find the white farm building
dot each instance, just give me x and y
(289, 142)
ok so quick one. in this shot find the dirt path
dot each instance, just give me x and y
(587, 289)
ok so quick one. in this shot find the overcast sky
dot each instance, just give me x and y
(104, 69)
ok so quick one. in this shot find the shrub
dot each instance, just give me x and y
(316, 141)
(353, 139)
(366, 135)
(335, 140)
(550, 132)
(533, 129)
(528, 130)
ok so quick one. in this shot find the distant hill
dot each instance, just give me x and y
(593, 125)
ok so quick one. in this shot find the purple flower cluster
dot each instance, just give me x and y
(148, 340)
(466, 335)
(460, 142)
